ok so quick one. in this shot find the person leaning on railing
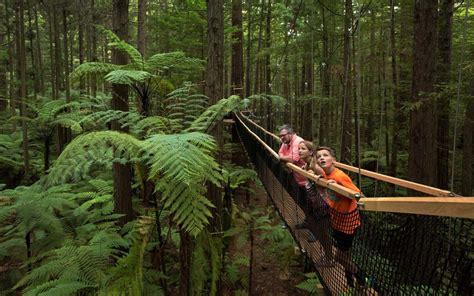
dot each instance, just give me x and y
(289, 153)
(345, 218)
(316, 203)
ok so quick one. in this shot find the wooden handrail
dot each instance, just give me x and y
(392, 180)
(326, 183)
(263, 129)
(400, 182)
(321, 182)
(459, 207)
(274, 154)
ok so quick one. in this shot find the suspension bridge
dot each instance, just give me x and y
(404, 246)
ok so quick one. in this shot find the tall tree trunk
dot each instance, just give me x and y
(80, 37)
(423, 153)
(122, 172)
(307, 87)
(372, 63)
(268, 86)
(346, 139)
(185, 255)
(237, 72)
(54, 87)
(248, 87)
(142, 4)
(258, 82)
(399, 115)
(34, 70)
(442, 80)
(214, 91)
(23, 85)
(468, 149)
(325, 75)
(92, 45)
(67, 88)
(11, 61)
(39, 56)
(3, 79)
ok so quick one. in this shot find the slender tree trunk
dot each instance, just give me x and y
(142, 4)
(122, 172)
(237, 72)
(468, 149)
(185, 254)
(442, 80)
(11, 61)
(39, 56)
(23, 85)
(54, 87)
(325, 75)
(423, 153)
(257, 86)
(399, 115)
(214, 91)
(67, 131)
(92, 45)
(3, 80)
(346, 140)
(248, 87)
(268, 86)
(82, 83)
(307, 89)
(34, 70)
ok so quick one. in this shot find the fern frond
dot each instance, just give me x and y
(156, 124)
(174, 61)
(127, 77)
(95, 69)
(182, 157)
(276, 101)
(207, 120)
(124, 144)
(127, 278)
(310, 284)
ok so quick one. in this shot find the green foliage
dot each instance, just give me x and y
(184, 106)
(127, 275)
(309, 284)
(10, 156)
(235, 176)
(127, 77)
(277, 101)
(209, 118)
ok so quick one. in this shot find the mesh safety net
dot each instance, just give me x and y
(361, 252)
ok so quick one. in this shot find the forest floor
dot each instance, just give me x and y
(271, 276)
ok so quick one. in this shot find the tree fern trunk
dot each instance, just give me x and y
(185, 250)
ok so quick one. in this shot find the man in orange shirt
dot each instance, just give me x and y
(345, 219)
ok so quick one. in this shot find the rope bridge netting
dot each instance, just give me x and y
(392, 253)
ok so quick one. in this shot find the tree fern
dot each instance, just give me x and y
(127, 276)
(73, 155)
(127, 77)
(185, 106)
(209, 118)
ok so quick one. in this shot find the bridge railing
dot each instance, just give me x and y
(404, 246)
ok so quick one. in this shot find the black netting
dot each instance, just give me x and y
(367, 253)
